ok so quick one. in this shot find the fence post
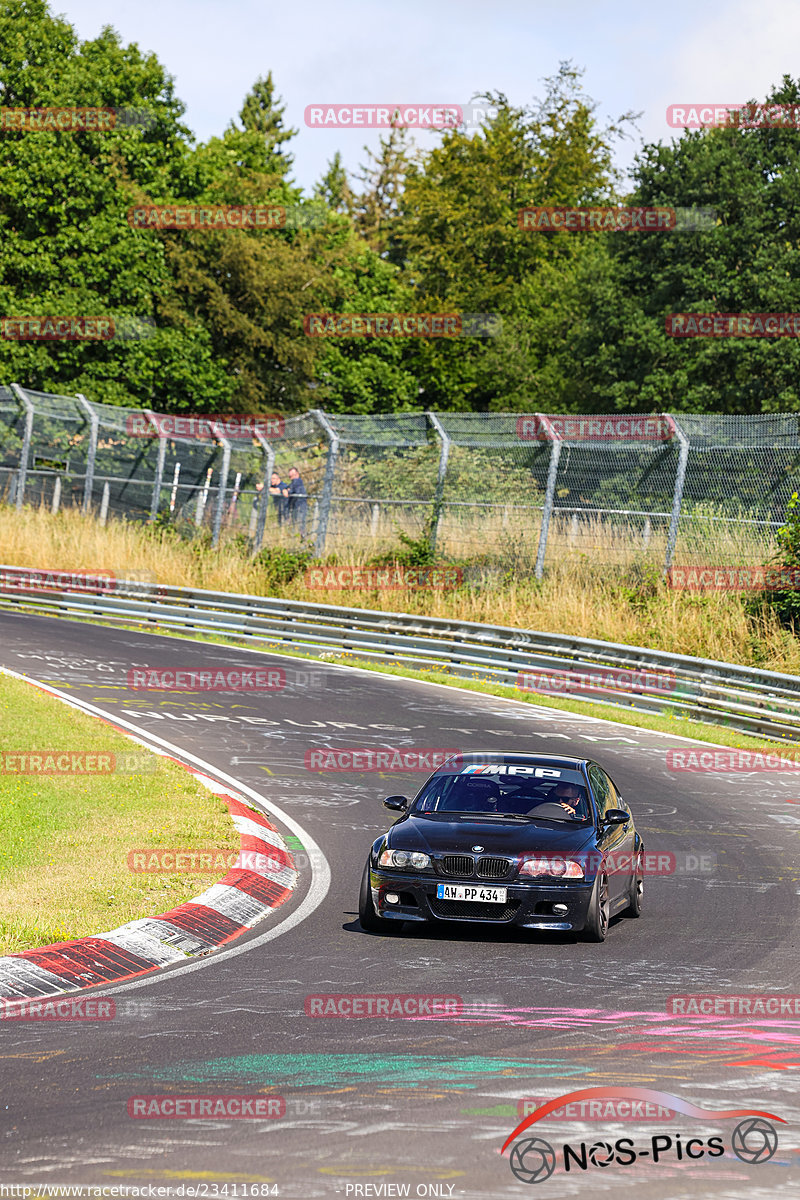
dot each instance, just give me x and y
(162, 454)
(104, 502)
(677, 495)
(176, 474)
(94, 423)
(327, 486)
(54, 507)
(438, 498)
(549, 497)
(26, 443)
(223, 481)
(202, 499)
(263, 503)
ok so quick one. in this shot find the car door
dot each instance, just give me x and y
(611, 839)
(627, 844)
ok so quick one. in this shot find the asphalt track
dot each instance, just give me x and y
(420, 1104)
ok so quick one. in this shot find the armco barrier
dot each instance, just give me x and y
(756, 702)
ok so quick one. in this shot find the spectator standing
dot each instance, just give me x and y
(280, 494)
(297, 500)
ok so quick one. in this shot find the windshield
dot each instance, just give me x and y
(507, 789)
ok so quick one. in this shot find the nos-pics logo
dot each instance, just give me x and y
(754, 1139)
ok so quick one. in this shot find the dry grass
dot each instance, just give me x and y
(583, 593)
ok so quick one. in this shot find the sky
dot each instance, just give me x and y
(639, 58)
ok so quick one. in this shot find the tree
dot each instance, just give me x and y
(748, 261)
(334, 187)
(464, 250)
(68, 249)
(263, 113)
(376, 208)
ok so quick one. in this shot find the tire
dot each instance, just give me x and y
(597, 917)
(368, 918)
(634, 909)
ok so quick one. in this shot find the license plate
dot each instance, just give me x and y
(459, 891)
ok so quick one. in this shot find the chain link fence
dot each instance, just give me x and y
(529, 489)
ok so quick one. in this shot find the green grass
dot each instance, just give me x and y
(64, 840)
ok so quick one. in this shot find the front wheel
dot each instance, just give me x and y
(369, 919)
(596, 926)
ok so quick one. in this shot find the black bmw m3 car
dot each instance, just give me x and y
(532, 840)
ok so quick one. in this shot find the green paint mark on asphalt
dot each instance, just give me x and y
(303, 1070)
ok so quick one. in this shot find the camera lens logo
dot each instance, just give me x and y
(601, 1154)
(754, 1140)
(533, 1160)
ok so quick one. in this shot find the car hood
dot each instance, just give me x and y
(433, 835)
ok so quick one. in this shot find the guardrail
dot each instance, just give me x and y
(749, 700)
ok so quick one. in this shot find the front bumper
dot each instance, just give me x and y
(529, 904)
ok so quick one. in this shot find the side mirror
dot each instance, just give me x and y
(398, 803)
(616, 816)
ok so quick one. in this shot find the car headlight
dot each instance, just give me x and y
(404, 858)
(553, 866)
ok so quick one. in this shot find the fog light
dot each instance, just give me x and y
(560, 909)
(393, 898)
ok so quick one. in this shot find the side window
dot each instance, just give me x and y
(602, 788)
(613, 794)
(617, 800)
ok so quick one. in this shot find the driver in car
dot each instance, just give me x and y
(563, 793)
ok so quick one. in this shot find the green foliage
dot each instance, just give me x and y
(281, 566)
(412, 552)
(749, 261)
(582, 314)
(788, 536)
(786, 602)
